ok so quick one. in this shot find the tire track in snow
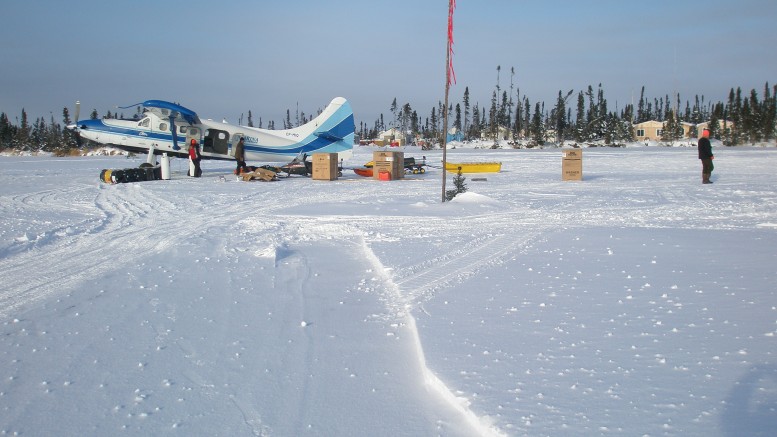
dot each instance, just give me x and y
(421, 281)
(127, 231)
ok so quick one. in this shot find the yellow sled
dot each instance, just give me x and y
(474, 167)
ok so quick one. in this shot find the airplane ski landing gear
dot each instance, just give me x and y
(150, 158)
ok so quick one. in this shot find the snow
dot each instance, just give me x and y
(635, 302)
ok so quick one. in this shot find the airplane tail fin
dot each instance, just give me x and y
(332, 131)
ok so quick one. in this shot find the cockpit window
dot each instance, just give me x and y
(145, 122)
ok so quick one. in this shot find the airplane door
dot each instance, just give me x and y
(216, 141)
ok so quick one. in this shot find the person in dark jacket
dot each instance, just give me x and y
(706, 156)
(195, 157)
(240, 157)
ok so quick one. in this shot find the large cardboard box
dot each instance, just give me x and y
(572, 165)
(391, 162)
(324, 166)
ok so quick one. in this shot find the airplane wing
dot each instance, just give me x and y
(165, 109)
(172, 111)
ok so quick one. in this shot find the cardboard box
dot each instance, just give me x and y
(391, 162)
(324, 166)
(572, 170)
(572, 165)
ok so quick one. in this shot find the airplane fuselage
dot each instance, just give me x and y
(332, 131)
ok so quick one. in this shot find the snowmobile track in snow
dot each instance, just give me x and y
(130, 225)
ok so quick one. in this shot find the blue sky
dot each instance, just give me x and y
(222, 59)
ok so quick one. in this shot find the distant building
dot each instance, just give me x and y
(690, 130)
(503, 133)
(648, 130)
(393, 137)
(722, 126)
(653, 130)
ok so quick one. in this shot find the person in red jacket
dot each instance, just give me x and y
(706, 156)
(195, 157)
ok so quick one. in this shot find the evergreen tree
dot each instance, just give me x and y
(21, 139)
(527, 117)
(537, 127)
(580, 131)
(559, 116)
(492, 117)
(503, 119)
(623, 128)
(517, 126)
(735, 111)
(474, 130)
(460, 186)
(53, 134)
(433, 123)
(769, 113)
(466, 113)
(38, 134)
(68, 137)
(749, 119)
(7, 132)
(673, 129)
(406, 118)
(714, 124)
(393, 109)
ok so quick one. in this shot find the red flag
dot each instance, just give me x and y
(451, 73)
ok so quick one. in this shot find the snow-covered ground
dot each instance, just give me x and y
(635, 302)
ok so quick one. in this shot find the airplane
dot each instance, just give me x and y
(332, 131)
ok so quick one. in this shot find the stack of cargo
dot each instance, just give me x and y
(325, 166)
(388, 165)
(572, 165)
(128, 175)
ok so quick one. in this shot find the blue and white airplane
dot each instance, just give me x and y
(330, 132)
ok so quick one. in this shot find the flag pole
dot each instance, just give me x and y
(448, 75)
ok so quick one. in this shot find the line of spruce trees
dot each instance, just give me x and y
(743, 119)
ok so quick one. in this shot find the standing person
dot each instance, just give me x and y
(240, 156)
(195, 157)
(706, 156)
